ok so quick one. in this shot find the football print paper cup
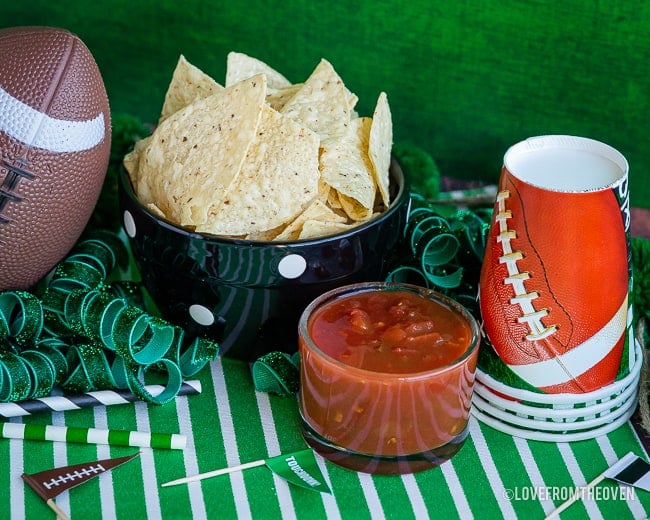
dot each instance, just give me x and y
(556, 273)
(387, 374)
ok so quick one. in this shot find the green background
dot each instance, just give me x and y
(465, 79)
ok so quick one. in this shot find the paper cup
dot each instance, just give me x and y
(555, 279)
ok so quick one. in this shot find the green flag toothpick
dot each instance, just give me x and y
(299, 468)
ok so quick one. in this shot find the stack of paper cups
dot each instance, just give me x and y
(561, 417)
(555, 294)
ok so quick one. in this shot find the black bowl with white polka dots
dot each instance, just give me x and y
(248, 295)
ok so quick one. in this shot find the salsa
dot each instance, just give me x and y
(386, 376)
(390, 331)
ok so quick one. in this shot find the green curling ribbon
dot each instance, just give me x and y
(195, 356)
(41, 370)
(130, 292)
(276, 373)
(21, 318)
(84, 334)
(91, 370)
(443, 252)
(51, 348)
(132, 377)
(15, 379)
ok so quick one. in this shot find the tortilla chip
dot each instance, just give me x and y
(317, 210)
(265, 236)
(346, 167)
(196, 153)
(188, 84)
(333, 199)
(354, 209)
(277, 98)
(317, 228)
(380, 146)
(132, 159)
(155, 210)
(323, 190)
(321, 104)
(278, 179)
(352, 102)
(240, 66)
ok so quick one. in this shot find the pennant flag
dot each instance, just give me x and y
(52, 482)
(631, 470)
(299, 468)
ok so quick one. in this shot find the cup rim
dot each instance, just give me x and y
(549, 436)
(303, 324)
(400, 198)
(569, 412)
(579, 423)
(566, 142)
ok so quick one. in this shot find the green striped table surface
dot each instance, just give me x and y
(493, 476)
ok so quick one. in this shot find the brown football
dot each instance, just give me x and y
(55, 139)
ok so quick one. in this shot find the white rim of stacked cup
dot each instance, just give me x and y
(556, 417)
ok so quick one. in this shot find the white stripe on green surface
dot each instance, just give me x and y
(459, 497)
(371, 496)
(273, 448)
(17, 489)
(494, 478)
(230, 445)
(536, 479)
(329, 500)
(106, 490)
(152, 503)
(61, 459)
(415, 495)
(579, 479)
(197, 500)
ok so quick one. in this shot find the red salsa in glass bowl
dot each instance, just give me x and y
(387, 373)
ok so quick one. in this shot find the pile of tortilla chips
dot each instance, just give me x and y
(261, 158)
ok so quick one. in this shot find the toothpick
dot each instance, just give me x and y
(215, 473)
(579, 492)
(60, 514)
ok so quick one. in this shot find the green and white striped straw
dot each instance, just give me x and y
(38, 432)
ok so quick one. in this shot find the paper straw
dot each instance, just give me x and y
(96, 398)
(38, 432)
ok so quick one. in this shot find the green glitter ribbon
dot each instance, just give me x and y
(86, 334)
(444, 249)
(276, 373)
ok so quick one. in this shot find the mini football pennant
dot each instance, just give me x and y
(52, 482)
(299, 468)
(630, 470)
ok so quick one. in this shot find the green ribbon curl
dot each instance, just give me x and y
(85, 334)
